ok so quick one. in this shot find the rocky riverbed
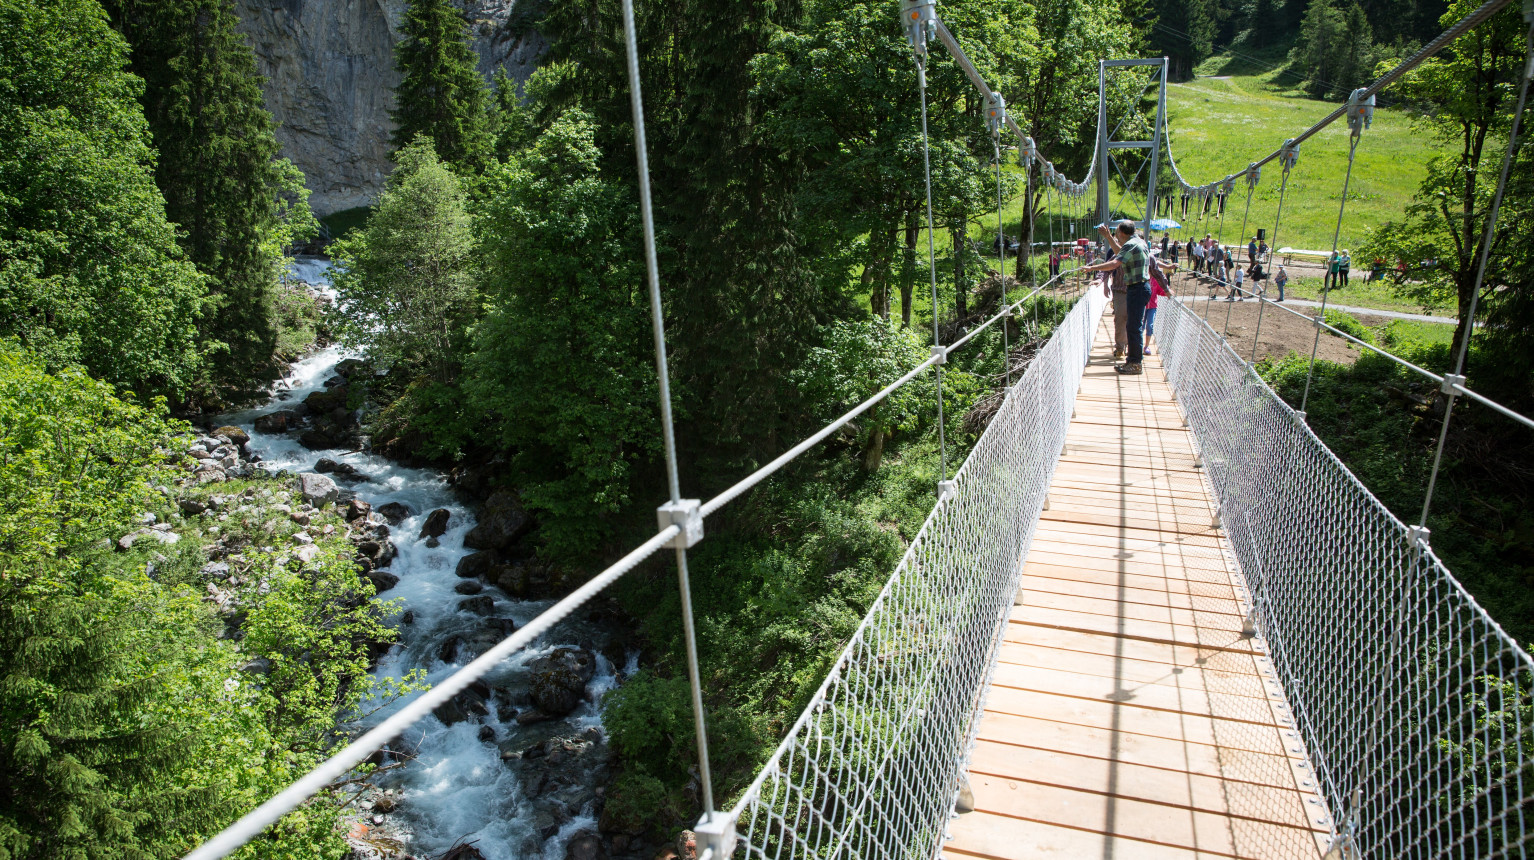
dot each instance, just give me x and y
(516, 766)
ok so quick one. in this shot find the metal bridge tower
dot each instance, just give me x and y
(1105, 141)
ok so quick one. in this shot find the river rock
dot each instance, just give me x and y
(382, 580)
(211, 475)
(235, 435)
(316, 440)
(469, 703)
(559, 679)
(585, 845)
(349, 367)
(475, 565)
(317, 489)
(191, 507)
(482, 604)
(327, 399)
(357, 509)
(468, 586)
(280, 421)
(436, 523)
(333, 381)
(501, 523)
(394, 512)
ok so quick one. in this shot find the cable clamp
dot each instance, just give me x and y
(1418, 535)
(946, 490)
(941, 354)
(1289, 153)
(716, 834)
(920, 20)
(995, 112)
(1449, 381)
(1360, 111)
(1253, 174)
(686, 514)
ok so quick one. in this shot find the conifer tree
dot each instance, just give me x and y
(236, 203)
(440, 93)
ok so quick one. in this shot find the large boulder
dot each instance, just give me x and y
(317, 489)
(475, 565)
(560, 678)
(436, 523)
(280, 421)
(349, 367)
(501, 522)
(472, 702)
(482, 604)
(236, 435)
(316, 440)
(394, 512)
(586, 846)
(327, 399)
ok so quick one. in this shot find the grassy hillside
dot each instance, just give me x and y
(1220, 124)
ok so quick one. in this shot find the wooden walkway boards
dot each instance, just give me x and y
(1128, 718)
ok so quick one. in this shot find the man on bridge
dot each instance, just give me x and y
(1134, 256)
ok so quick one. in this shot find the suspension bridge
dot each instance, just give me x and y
(1148, 616)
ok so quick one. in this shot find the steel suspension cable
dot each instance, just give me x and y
(937, 342)
(1336, 237)
(673, 480)
(1251, 188)
(1001, 267)
(1283, 187)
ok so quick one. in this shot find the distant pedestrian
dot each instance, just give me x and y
(1262, 249)
(1165, 238)
(1344, 263)
(1235, 290)
(1257, 276)
(1279, 280)
(1333, 270)
(1251, 251)
(1197, 251)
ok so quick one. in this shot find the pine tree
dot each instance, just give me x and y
(440, 93)
(236, 203)
(90, 273)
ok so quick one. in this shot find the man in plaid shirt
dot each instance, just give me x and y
(1134, 256)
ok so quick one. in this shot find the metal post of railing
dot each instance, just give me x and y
(1287, 161)
(716, 834)
(1251, 188)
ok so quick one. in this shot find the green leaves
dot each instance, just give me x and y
(407, 280)
(90, 272)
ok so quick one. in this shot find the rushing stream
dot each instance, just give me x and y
(512, 789)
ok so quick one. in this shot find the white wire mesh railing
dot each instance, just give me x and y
(872, 767)
(1414, 706)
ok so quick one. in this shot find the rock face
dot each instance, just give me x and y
(330, 78)
(500, 524)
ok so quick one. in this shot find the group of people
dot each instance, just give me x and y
(1223, 269)
(1337, 267)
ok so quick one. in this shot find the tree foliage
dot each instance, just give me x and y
(562, 361)
(237, 204)
(441, 93)
(406, 281)
(89, 268)
(1468, 96)
(126, 726)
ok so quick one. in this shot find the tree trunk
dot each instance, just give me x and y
(873, 452)
(960, 286)
(908, 268)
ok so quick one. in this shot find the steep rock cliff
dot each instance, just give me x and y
(330, 77)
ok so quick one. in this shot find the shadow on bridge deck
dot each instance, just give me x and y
(1128, 717)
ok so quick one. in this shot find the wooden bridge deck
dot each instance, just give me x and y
(1128, 718)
